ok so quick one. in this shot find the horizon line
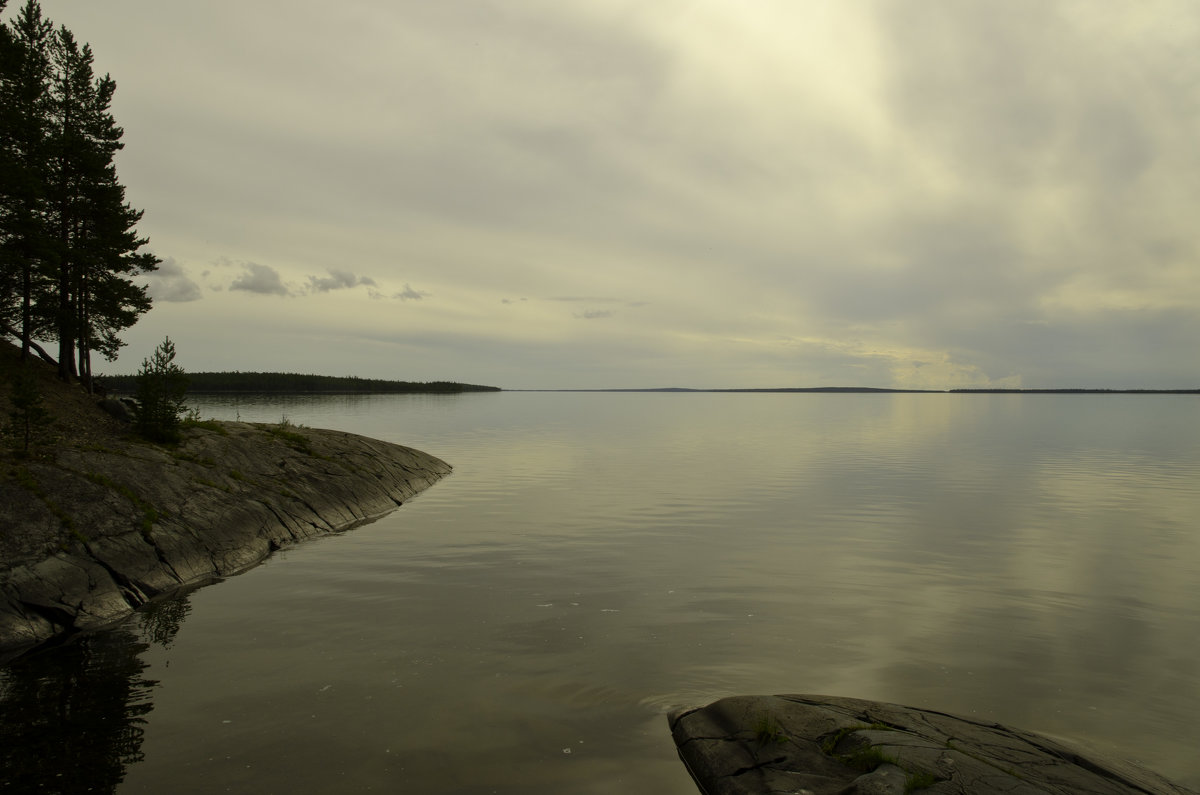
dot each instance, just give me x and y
(868, 389)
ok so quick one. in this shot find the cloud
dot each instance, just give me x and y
(582, 298)
(409, 294)
(939, 193)
(337, 280)
(261, 279)
(171, 283)
(266, 280)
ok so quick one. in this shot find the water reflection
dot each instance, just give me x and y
(160, 620)
(72, 717)
(597, 559)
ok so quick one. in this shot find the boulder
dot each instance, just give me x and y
(124, 410)
(827, 745)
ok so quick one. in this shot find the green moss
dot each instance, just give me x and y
(297, 441)
(207, 425)
(830, 743)
(289, 433)
(916, 781)
(768, 731)
(867, 759)
(150, 514)
(204, 461)
(286, 433)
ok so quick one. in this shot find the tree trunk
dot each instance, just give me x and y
(26, 309)
(38, 349)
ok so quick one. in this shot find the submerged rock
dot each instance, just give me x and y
(94, 533)
(827, 745)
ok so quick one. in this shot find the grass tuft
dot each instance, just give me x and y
(768, 731)
(287, 432)
(867, 759)
(916, 781)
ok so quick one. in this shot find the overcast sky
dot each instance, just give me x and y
(700, 193)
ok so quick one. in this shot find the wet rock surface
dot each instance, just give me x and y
(822, 745)
(91, 534)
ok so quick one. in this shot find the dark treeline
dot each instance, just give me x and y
(67, 239)
(296, 383)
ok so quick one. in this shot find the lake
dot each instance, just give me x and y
(597, 559)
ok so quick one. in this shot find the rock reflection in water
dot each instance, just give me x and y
(71, 718)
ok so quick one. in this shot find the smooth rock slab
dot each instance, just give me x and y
(822, 745)
(88, 537)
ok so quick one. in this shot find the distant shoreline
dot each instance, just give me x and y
(261, 383)
(874, 390)
(257, 383)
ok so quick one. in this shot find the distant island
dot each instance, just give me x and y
(1081, 391)
(296, 383)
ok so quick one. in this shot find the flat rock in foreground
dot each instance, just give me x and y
(822, 745)
(95, 532)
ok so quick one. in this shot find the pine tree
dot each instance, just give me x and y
(97, 246)
(25, 73)
(161, 386)
(9, 283)
(68, 243)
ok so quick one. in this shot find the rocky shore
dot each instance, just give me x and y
(822, 745)
(92, 531)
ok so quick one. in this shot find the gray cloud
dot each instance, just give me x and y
(172, 284)
(261, 279)
(594, 314)
(409, 294)
(266, 280)
(1117, 348)
(338, 280)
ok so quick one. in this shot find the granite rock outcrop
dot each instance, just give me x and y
(827, 745)
(92, 533)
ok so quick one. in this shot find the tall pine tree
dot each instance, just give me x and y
(9, 292)
(68, 239)
(24, 236)
(96, 246)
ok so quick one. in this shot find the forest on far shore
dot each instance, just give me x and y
(296, 383)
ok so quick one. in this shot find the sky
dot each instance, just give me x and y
(682, 193)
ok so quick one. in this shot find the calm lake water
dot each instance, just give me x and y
(597, 559)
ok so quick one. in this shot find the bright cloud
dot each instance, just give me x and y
(170, 282)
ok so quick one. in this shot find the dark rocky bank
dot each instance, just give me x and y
(89, 532)
(827, 745)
